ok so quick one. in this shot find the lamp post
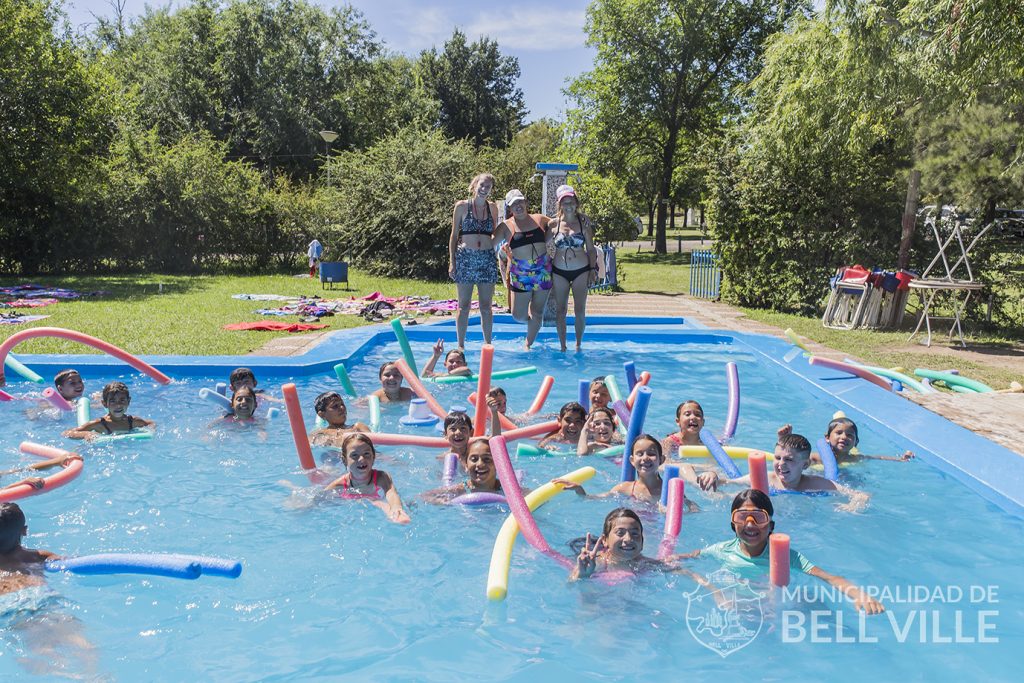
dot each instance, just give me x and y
(329, 136)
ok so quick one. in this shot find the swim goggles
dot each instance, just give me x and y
(759, 517)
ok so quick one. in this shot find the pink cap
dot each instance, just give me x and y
(564, 191)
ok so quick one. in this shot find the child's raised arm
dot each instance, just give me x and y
(428, 369)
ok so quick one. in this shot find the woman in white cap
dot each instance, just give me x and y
(575, 263)
(529, 252)
(471, 258)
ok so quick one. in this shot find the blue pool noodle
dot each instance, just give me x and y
(584, 394)
(715, 448)
(828, 459)
(636, 427)
(671, 472)
(630, 368)
(172, 566)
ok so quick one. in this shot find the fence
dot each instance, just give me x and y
(705, 275)
(607, 277)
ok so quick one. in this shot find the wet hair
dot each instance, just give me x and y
(570, 407)
(238, 374)
(12, 523)
(477, 179)
(760, 499)
(64, 376)
(472, 442)
(599, 380)
(607, 411)
(679, 408)
(457, 418)
(245, 390)
(383, 367)
(653, 439)
(843, 422)
(320, 403)
(354, 437)
(619, 513)
(497, 391)
(795, 443)
(114, 388)
(459, 352)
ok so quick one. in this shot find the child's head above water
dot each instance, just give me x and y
(455, 359)
(602, 423)
(690, 416)
(355, 447)
(751, 517)
(242, 377)
(498, 394)
(331, 407)
(69, 384)
(389, 375)
(12, 527)
(842, 435)
(599, 394)
(623, 533)
(478, 462)
(792, 455)
(243, 402)
(571, 418)
(458, 427)
(647, 455)
(115, 393)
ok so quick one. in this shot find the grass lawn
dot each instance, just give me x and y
(188, 317)
(891, 349)
(648, 272)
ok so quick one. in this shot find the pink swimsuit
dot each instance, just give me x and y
(355, 495)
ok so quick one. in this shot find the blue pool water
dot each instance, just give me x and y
(335, 590)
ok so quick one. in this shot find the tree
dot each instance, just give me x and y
(476, 88)
(666, 69)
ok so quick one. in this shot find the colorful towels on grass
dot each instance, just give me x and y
(271, 326)
(14, 318)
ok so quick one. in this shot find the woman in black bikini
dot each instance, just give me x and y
(471, 257)
(575, 266)
(117, 420)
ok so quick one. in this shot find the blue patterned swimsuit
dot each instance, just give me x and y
(476, 266)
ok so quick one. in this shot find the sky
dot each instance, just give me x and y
(547, 38)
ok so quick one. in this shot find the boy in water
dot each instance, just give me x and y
(19, 567)
(244, 377)
(330, 406)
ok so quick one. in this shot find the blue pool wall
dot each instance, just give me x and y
(994, 472)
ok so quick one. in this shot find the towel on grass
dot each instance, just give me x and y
(271, 326)
(14, 319)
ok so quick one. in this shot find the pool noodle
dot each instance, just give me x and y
(501, 555)
(758, 468)
(531, 430)
(738, 452)
(81, 338)
(291, 402)
(778, 559)
(630, 368)
(636, 427)
(505, 422)
(54, 398)
(214, 397)
(732, 417)
(60, 478)
(273, 412)
(140, 435)
(483, 385)
(374, 413)
(716, 450)
(542, 395)
(526, 449)
(342, 374)
(890, 373)
(583, 394)
(613, 388)
(172, 566)
(621, 410)
(828, 459)
(645, 377)
(83, 411)
(673, 516)
(451, 469)
(480, 498)
(417, 387)
(954, 380)
(386, 439)
(791, 335)
(852, 370)
(670, 473)
(497, 374)
(4, 396)
(222, 388)
(403, 342)
(20, 368)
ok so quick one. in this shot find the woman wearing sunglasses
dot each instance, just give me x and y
(747, 555)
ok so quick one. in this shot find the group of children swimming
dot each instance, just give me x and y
(620, 545)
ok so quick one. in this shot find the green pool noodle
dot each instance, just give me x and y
(500, 374)
(83, 410)
(403, 341)
(346, 383)
(374, 414)
(952, 380)
(613, 388)
(17, 366)
(143, 435)
(889, 373)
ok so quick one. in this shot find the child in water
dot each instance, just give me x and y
(244, 377)
(116, 400)
(570, 423)
(243, 409)
(331, 407)
(598, 432)
(391, 389)
(454, 363)
(458, 428)
(482, 475)
(646, 458)
(690, 418)
(362, 482)
(599, 395)
(69, 385)
(792, 456)
(619, 547)
(842, 436)
(748, 554)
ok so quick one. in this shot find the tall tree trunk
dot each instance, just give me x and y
(650, 217)
(667, 163)
(909, 218)
(672, 216)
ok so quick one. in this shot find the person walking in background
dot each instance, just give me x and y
(314, 252)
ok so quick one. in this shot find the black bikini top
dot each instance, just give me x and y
(521, 239)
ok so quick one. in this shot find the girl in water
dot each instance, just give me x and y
(690, 418)
(575, 262)
(471, 257)
(598, 432)
(391, 389)
(362, 482)
(481, 474)
(599, 395)
(843, 438)
(619, 548)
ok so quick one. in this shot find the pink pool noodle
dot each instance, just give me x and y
(645, 377)
(531, 430)
(514, 495)
(43, 451)
(4, 396)
(483, 385)
(65, 475)
(505, 422)
(673, 517)
(778, 559)
(81, 338)
(733, 415)
(56, 400)
(758, 471)
(851, 370)
(417, 387)
(382, 439)
(542, 395)
(298, 425)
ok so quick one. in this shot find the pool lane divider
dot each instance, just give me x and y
(542, 395)
(732, 416)
(172, 566)
(636, 427)
(81, 338)
(403, 343)
(483, 386)
(70, 469)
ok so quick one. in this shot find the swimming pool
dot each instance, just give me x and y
(336, 590)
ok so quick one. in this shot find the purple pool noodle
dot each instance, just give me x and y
(733, 415)
(480, 498)
(621, 410)
(451, 469)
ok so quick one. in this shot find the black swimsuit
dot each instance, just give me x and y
(103, 421)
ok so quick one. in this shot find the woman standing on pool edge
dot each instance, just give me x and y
(575, 263)
(471, 257)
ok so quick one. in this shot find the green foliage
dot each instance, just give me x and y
(515, 165)
(475, 86)
(394, 202)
